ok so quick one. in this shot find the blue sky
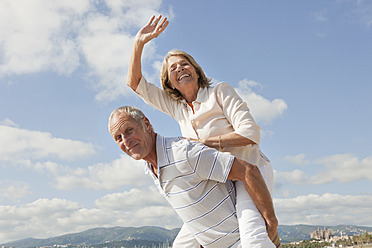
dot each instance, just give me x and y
(304, 67)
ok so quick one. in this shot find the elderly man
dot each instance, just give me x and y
(195, 179)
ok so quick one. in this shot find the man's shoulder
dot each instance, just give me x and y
(179, 147)
(170, 142)
(170, 148)
(179, 143)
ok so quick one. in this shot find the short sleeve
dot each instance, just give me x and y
(208, 163)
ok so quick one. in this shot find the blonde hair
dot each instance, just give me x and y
(203, 81)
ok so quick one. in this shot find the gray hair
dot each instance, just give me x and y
(134, 112)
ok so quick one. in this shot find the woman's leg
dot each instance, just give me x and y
(252, 225)
(185, 239)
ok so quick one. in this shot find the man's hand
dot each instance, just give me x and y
(152, 29)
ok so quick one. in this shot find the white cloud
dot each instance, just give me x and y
(343, 168)
(120, 172)
(320, 16)
(7, 122)
(293, 177)
(16, 144)
(297, 159)
(36, 219)
(134, 12)
(359, 11)
(326, 209)
(106, 43)
(40, 35)
(102, 176)
(13, 190)
(266, 133)
(36, 35)
(158, 214)
(262, 109)
(132, 199)
(26, 148)
(106, 52)
(45, 218)
(339, 167)
(50, 217)
(362, 12)
(156, 67)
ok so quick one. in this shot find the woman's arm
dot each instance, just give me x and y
(245, 130)
(231, 139)
(148, 32)
(150, 93)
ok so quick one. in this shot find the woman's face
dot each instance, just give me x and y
(182, 75)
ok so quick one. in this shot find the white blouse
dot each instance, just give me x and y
(217, 110)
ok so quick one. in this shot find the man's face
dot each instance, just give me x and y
(130, 136)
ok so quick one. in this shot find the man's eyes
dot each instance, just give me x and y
(126, 132)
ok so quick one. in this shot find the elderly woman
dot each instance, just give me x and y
(215, 116)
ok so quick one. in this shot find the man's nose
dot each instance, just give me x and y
(124, 138)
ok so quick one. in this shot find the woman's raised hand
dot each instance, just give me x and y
(152, 29)
(148, 32)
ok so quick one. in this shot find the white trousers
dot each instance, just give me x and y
(252, 225)
(185, 239)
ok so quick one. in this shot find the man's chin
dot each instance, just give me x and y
(136, 156)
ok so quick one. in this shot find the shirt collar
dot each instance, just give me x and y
(147, 167)
(159, 153)
(202, 96)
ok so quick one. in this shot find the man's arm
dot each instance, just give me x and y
(255, 185)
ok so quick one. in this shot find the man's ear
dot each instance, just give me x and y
(147, 124)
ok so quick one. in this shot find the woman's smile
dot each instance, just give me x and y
(184, 75)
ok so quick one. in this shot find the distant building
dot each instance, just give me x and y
(319, 234)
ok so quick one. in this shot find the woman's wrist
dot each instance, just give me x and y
(203, 141)
(138, 42)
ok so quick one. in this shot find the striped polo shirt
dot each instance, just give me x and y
(193, 178)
